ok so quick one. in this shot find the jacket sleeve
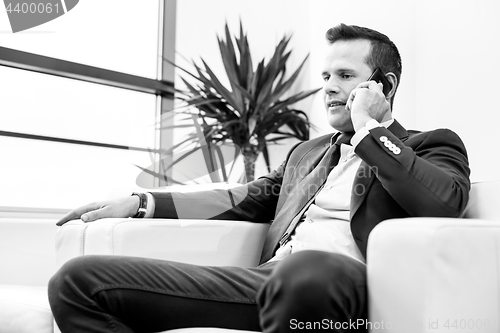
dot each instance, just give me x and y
(428, 174)
(255, 201)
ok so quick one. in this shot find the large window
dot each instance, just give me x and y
(81, 103)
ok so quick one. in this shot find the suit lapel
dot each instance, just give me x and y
(287, 217)
(315, 155)
(365, 176)
(301, 169)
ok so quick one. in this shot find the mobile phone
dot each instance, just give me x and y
(378, 76)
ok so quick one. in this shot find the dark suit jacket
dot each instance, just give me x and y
(429, 176)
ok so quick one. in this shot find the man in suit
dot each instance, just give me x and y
(323, 202)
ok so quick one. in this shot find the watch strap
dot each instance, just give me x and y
(143, 205)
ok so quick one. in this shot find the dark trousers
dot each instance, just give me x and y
(128, 294)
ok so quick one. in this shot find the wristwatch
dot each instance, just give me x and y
(143, 205)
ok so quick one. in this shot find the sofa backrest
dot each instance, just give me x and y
(484, 202)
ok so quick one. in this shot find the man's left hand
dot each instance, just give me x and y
(367, 101)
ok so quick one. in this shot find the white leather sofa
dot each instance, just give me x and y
(424, 274)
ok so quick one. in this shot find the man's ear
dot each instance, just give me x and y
(394, 84)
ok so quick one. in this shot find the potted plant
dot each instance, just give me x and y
(251, 114)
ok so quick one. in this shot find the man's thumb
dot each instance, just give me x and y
(92, 216)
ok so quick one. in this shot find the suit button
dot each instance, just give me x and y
(383, 138)
(387, 143)
(397, 151)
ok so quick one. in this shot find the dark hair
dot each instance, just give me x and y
(383, 54)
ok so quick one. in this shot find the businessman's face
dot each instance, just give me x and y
(343, 70)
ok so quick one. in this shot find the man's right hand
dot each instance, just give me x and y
(124, 207)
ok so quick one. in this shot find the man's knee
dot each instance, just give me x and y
(309, 270)
(314, 285)
(76, 274)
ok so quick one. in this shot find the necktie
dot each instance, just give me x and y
(301, 198)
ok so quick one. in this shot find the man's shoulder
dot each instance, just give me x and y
(320, 141)
(439, 133)
(306, 148)
(435, 134)
(435, 138)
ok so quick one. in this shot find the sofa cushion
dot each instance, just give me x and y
(25, 309)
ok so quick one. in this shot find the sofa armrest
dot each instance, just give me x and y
(434, 274)
(202, 242)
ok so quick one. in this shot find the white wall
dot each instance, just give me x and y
(450, 51)
(458, 71)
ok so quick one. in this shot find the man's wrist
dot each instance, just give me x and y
(133, 205)
(361, 122)
(364, 131)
